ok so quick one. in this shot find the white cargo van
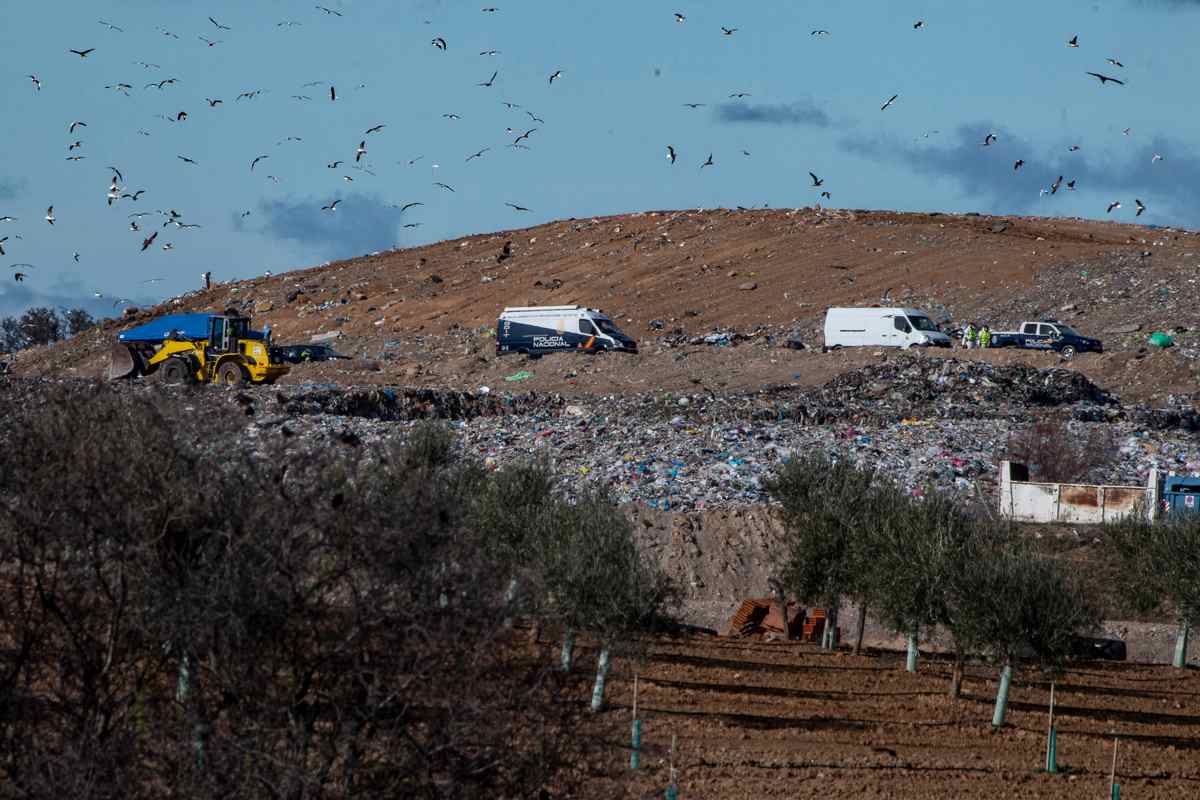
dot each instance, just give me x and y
(881, 327)
(537, 330)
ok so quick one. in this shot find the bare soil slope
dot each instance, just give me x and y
(420, 316)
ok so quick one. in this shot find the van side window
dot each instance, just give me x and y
(587, 328)
(902, 324)
(1030, 328)
(1049, 330)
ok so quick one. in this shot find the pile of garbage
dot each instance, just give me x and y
(401, 403)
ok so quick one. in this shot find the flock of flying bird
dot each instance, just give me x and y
(119, 192)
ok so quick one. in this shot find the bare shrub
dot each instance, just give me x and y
(181, 613)
(1058, 452)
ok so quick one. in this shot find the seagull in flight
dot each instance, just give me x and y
(535, 118)
(820, 32)
(330, 11)
(1155, 157)
(490, 80)
(50, 215)
(37, 84)
(671, 154)
(76, 124)
(1140, 207)
(149, 240)
(891, 100)
(1020, 162)
(815, 180)
(489, 52)
(694, 105)
(255, 162)
(739, 95)
(332, 206)
(918, 24)
(1112, 205)
(375, 129)
(556, 74)
(82, 53)
(220, 27)
(679, 17)
(516, 207)
(988, 140)
(444, 186)
(728, 31)
(111, 27)
(361, 151)
(708, 162)
(1115, 62)
(477, 155)
(1073, 41)
(1106, 79)
(186, 160)
(1073, 148)
(439, 43)
(407, 206)
(1054, 186)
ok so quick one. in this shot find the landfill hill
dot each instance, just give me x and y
(423, 316)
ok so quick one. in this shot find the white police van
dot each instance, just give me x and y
(881, 327)
(537, 330)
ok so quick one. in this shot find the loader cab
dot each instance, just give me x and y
(224, 333)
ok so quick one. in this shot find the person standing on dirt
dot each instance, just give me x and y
(985, 337)
(968, 337)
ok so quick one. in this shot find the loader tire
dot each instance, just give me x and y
(175, 370)
(231, 374)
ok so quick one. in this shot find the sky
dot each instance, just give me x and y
(602, 128)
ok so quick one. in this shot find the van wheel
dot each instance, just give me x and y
(1067, 352)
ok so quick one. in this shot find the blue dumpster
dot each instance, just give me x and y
(1181, 494)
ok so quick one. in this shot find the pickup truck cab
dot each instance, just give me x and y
(1048, 335)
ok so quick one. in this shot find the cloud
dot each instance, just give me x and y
(10, 188)
(65, 293)
(800, 112)
(361, 224)
(1170, 188)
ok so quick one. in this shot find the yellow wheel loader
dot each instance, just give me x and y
(196, 348)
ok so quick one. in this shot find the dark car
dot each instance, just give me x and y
(1048, 335)
(299, 353)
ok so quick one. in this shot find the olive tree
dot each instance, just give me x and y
(596, 577)
(1159, 564)
(916, 553)
(1013, 603)
(826, 507)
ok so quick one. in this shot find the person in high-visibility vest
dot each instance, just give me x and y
(985, 336)
(968, 337)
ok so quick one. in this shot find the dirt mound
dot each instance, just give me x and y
(421, 316)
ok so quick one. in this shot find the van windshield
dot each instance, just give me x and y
(923, 323)
(606, 326)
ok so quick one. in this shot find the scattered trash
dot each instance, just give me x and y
(523, 375)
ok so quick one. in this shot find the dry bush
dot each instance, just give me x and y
(1057, 452)
(182, 614)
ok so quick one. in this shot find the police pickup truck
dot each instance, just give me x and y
(1047, 335)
